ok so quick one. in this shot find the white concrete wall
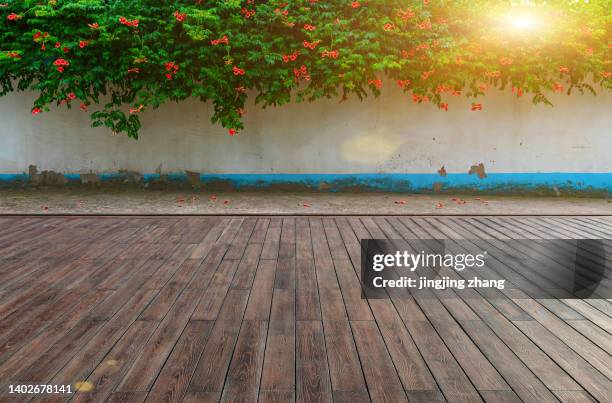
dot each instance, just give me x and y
(385, 135)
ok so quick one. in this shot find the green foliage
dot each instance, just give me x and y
(117, 58)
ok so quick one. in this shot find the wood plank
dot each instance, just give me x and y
(242, 238)
(344, 366)
(202, 397)
(243, 377)
(523, 382)
(127, 397)
(167, 296)
(271, 396)
(143, 373)
(173, 380)
(592, 380)
(381, 377)
(549, 372)
(596, 334)
(112, 369)
(292, 326)
(278, 369)
(272, 240)
(409, 363)
(308, 306)
(260, 230)
(597, 357)
(312, 373)
(35, 334)
(214, 295)
(88, 358)
(245, 273)
(214, 362)
(260, 300)
(574, 396)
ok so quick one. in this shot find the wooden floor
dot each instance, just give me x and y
(269, 309)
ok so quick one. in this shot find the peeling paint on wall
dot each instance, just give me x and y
(553, 184)
(479, 170)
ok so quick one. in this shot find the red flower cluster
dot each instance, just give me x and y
(407, 53)
(405, 15)
(332, 54)
(136, 110)
(247, 13)
(493, 74)
(238, 71)
(292, 57)
(417, 98)
(180, 17)
(518, 91)
(355, 4)
(95, 25)
(171, 69)
(284, 12)
(388, 27)
(82, 44)
(424, 25)
(441, 88)
(311, 45)
(302, 73)
(39, 35)
(376, 83)
(36, 111)
(426, 74)
(309, 27)
(224, 40)
(444, 106)
(13, 55)
(60, 64)
(505, 61)
(13, 17)
(403, 83)
(126, 22)
(557, 87)
(476, 107)
(232, 132)
(564, 70)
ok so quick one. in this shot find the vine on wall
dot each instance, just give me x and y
(114, 58)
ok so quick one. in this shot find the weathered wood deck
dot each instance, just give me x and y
(202, 309)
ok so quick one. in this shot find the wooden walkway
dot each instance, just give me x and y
(269, 309)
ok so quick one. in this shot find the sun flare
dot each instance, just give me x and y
(522, 22)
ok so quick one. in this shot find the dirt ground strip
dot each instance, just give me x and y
(202, 202)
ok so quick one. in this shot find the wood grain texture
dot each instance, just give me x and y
(269, 309)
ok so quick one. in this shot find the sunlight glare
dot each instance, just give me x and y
(522, 22)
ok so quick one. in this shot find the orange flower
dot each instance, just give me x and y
(405, 15)
(403, 83)
(376, 83)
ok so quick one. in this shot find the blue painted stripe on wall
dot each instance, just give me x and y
(420, 182)
(385, 181)
(13, 177)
